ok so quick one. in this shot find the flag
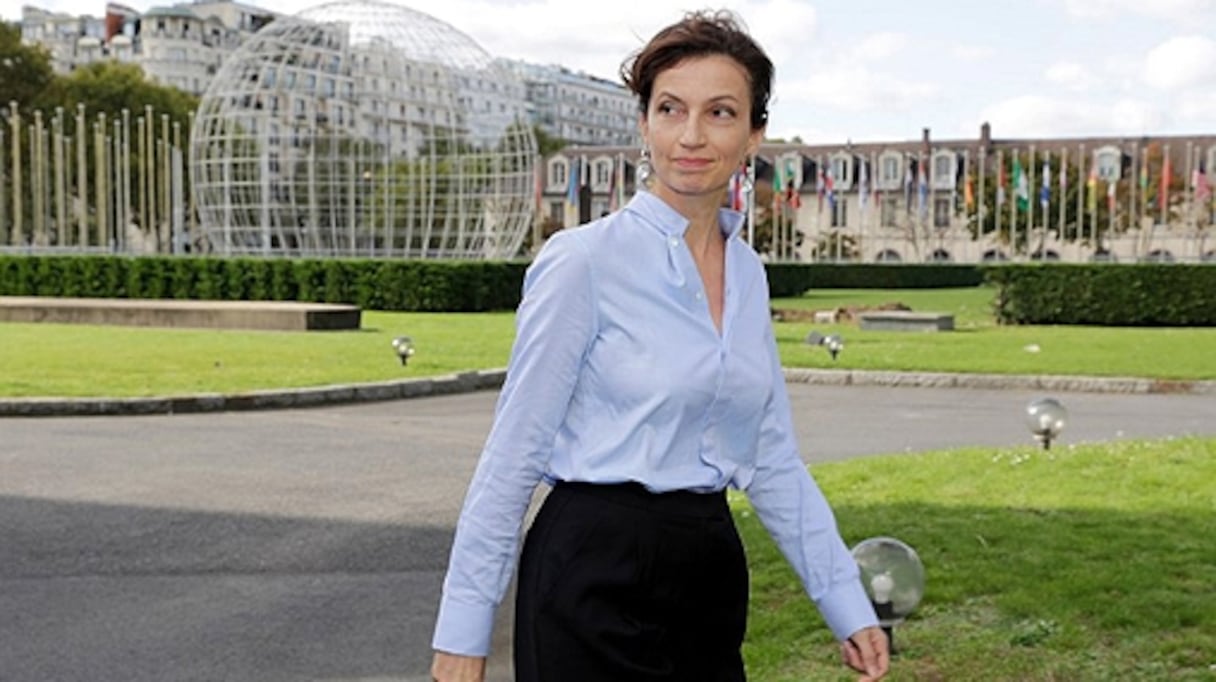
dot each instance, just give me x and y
(819, 186)
(922, 187)
(968, 194)
(908, 186)
(1092, 185)
(1164, 196)
(863, 185)
(778, 186)
(572, 184)
(1021, 185)
(1000, 182)
(829, 186)
(1111, 187)
(613, 186)
(1203, 187)
(1144, 181)
(792, 194)
(538, 185)
(1045, 190)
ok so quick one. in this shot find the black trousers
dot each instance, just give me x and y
(617, 584)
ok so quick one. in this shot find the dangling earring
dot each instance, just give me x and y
(644, 168)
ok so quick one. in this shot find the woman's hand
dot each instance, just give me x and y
(868, 652)
(454, 668)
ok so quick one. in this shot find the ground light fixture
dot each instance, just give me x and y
(832, 342)
(894, 578)
(403, 346)
(1046, 417)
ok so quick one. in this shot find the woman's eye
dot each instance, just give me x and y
(724, 112)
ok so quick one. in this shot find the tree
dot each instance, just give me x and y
(110, 87)
(25, 70)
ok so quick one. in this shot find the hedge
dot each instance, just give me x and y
(1139, 295)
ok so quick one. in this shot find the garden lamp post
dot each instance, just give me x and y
(1046, 418)
(894, 579)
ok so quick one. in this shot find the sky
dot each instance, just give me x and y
(883, 70)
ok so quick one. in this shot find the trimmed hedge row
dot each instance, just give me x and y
(793, 279)
(1162, 295)
(372, 284)
(455, 286)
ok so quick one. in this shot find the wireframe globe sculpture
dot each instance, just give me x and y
(363, 129)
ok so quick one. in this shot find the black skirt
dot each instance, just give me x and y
(618, 584)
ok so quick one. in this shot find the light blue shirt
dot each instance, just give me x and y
(619, 374)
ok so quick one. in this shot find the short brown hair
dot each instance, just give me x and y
(701, 34)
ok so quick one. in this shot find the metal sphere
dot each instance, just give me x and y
(893, 576)
(363, 129)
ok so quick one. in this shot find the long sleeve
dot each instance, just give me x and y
(793, 509)
(555, 325)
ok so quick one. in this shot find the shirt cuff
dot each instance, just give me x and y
(846, 608)
(463, 629)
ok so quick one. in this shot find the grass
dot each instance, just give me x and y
(1089, 562)
(74, 360)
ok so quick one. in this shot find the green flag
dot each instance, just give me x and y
(1021, 185)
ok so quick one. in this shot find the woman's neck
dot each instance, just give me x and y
(703, 231)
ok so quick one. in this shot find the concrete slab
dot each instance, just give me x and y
(265, 315)
(904, 320)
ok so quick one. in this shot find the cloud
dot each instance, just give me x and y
(972, 53)
(1071, 76)
(1175, 10)
(1042, 116)
(1181, 62)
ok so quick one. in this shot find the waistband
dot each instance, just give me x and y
(633, 494)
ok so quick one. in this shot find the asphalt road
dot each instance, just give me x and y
(309, 544)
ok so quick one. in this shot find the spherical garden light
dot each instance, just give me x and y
(894, 578)
(1046, 418)
(363, 128)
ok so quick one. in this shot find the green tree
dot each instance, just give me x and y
(25, 70)
(110, 87)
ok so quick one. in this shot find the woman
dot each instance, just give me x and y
(644, 380)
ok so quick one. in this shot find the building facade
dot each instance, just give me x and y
(180, 45)
(1077, 199)
(578, 108)
(1118, 199)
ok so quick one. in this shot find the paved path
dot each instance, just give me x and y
(308, 544)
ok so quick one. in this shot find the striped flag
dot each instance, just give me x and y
(1092, 185)
(572, 184)
(863, 185)
(1165, 182)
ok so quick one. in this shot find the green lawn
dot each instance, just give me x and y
(1087, 562)
(74, 360)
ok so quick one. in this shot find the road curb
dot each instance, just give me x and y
(493, 379)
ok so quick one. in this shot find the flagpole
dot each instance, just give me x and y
(1030, 202)
(1131, 185)
(1082, 186)
(999, 200)
(1190, 183)
(1163, 196)
(1063, 190)
(982, 203)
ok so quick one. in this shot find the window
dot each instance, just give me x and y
(890, 210)
(891, 170)
(1109, 163)
(603, 174)
(841, 166)
(840, 213)
(943, 170)
(888, 256)
(557, 212)
(941, 212)
(557, 174)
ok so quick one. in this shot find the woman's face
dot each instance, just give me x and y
(698, 128)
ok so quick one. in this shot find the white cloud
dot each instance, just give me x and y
(1041, 116)
(1070, 75)
(856, 87)
(1181, 62)
(879, 46)
(1176, 10)
(972, 53)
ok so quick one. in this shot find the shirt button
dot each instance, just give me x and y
(698, 295)
(673, 242)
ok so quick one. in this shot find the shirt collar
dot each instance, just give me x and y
(658, 213)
